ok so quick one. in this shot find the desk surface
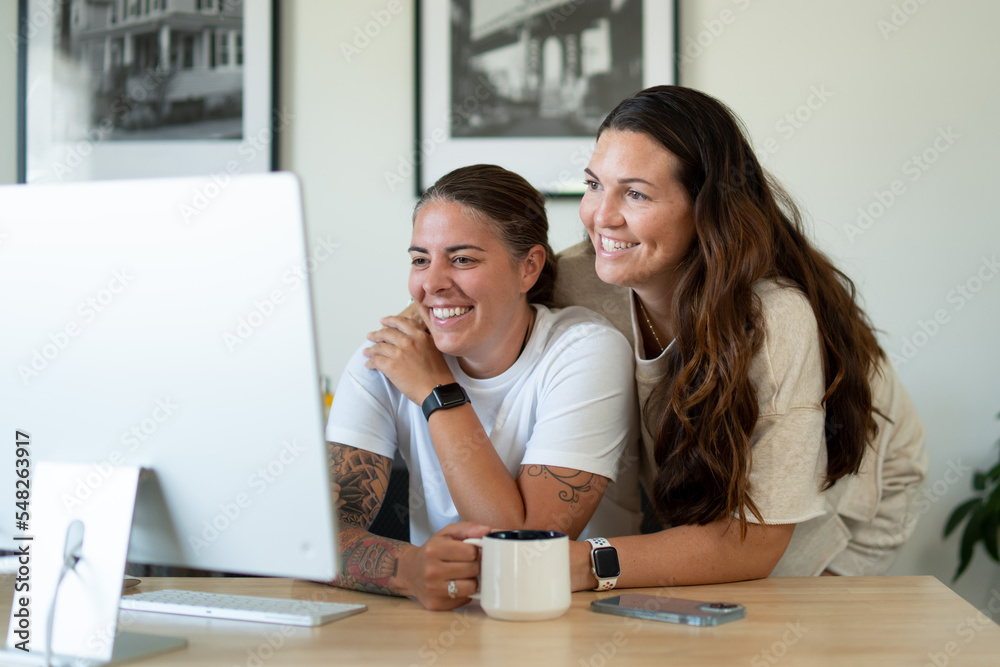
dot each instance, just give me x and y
(795, 621)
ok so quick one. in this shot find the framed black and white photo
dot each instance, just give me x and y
(145, 88)
(526, 84)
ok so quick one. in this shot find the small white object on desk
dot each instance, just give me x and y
(8, 564)
(240, 607)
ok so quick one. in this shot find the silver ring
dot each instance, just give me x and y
(452, 589)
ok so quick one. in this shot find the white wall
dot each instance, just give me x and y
(889, 95)
(886, 100)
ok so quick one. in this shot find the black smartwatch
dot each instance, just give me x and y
(604, 563)
(444, 396)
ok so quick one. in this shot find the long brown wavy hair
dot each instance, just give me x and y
(747, 229)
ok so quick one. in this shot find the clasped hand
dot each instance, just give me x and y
(442, 572)
(405, 353)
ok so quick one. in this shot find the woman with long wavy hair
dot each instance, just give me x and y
(777, 437)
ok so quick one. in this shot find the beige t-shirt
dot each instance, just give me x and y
(853, 528)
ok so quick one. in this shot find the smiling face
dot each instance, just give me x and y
(471, 294)
(639, 217)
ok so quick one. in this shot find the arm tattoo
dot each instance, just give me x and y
(576, 483)
(368, 562)
(359, 480)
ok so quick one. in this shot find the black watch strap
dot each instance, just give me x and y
(444, 396)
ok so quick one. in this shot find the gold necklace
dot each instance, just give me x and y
(650, 325)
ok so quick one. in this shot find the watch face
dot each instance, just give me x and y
(606, 562)
(450, 395)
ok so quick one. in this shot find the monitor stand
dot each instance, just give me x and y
(74, 552)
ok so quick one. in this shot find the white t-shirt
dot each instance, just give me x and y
(567, 401)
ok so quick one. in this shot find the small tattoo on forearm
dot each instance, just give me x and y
(576, 483)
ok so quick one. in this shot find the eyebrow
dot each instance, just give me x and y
(449, 249)
(622, 180)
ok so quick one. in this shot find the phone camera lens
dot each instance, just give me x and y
(721, 606)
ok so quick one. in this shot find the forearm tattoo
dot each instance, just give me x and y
(359, 480)
(368, 562)
(573, 484)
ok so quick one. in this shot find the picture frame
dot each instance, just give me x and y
(114, 89)
(526, 85)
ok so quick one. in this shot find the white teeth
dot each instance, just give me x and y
(446, 313)
(610, 245)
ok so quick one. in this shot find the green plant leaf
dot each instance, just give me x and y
(991, 531)
(994, 473)
(979, 481)
(971, 535)
(993, 500)
(956, 518)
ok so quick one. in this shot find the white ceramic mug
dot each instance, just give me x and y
(524, 574)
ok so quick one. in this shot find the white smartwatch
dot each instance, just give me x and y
(604, 563)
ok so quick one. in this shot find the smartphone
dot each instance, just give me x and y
(671, 610)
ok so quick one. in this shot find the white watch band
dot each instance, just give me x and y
(605, 584)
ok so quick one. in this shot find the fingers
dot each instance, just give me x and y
(451, 551)
(463, 588)
(388, 335)
(449, 567)
(455, 571)
(412, 311)
(407, 325)
(464, 530)
(457, 559)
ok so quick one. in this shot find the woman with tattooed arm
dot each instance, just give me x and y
(508, 414)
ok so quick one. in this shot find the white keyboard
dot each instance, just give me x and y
(239, 607)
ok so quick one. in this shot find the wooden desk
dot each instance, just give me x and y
(809, 621)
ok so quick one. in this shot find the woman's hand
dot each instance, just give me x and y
(406, 354)
(440, 560)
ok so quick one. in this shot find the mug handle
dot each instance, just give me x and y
(477, 541)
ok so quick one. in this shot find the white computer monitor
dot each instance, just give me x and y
(168, 324)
